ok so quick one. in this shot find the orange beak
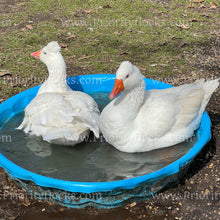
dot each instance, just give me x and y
(36, 54)
(118, 87)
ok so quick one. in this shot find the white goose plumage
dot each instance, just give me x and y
(58, 114)
(140, 120)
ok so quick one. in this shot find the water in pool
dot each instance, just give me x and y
(90, 161)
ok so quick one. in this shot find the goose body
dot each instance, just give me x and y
(58, 114)
(140, 120)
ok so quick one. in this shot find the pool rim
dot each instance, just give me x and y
(204, 134)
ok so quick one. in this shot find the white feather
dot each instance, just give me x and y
(140, 120)
(58, 114)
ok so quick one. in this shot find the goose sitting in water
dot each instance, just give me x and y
(140, 120)
(58, 114)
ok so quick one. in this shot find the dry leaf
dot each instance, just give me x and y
(198, 1)
(194, 20)
(4, 73)
(132, 204)
(117, 33)
(206, 192)
(71, 36)
(162, 44)
(21, 4)
(202, 6)
(206, 15)
(106, 6)
(183, 26)
(213, 5)
(64, 45)
(183, 44)
(30, 27)
(85, 57)
(141, 32)
(26, 203)
(81, 12)
(175, 37)
(190, 6)
(211, 166)
(87, 11)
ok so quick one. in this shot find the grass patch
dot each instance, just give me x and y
(104, 33)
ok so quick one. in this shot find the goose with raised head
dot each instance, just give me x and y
(58, 114)
(139, 120)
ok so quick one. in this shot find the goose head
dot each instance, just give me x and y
(128, 77)
(51, 56)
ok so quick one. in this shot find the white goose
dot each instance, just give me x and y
(140, 120)
(58, 114)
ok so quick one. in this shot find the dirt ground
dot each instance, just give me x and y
(196, 196)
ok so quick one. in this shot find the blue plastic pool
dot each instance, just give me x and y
(101, 194)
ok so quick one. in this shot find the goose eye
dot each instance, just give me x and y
(127, 76)
(45, 53)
